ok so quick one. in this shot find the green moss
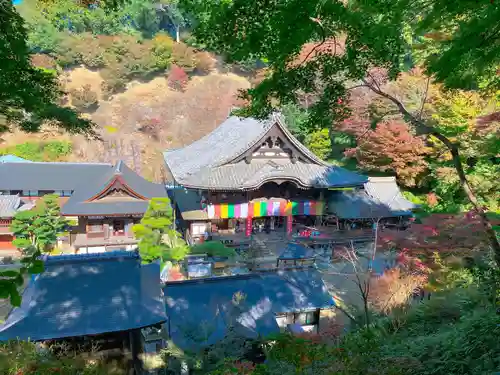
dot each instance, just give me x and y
(39, 151)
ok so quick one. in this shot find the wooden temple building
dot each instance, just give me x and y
(108, 207)
(249, 176)
(102, 201)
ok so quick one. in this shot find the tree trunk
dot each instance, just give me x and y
(177, 34)
(421, 125)
(490, 232)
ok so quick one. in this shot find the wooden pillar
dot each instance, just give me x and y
(248, 227)
(321, 199)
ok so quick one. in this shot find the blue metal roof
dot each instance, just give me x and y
(12, 159)
(201, 312)
(90, 294)
(381, 197)
(296, 251)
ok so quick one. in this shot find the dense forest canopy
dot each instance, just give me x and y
(326, 52)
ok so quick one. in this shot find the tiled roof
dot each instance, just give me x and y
(386, 190)
(88, 294)
(242, 175)
(356, 205)
(207, 163)
(380, 197)
(200, 311)
(48, 176)
(10, 204)
(77, 204)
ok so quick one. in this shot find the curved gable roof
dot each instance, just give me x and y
(85, 200)
(213, 161)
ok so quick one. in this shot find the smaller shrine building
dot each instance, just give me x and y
(102, 201)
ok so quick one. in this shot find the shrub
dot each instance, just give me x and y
(40, 151)
(205, 63)
(177, 78)
(213, 249)
(89, 51)
(55, 149)
(43, 36)
(84, 98)
(184, 57)
(162, 49)
(66, 55)
(139, 60)
(319, 142)
(115, 79)
(22, 357)
(28, 150)
(41, 60)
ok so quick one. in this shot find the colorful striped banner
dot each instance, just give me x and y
(243, 210)
(224, 214)
(264, 208)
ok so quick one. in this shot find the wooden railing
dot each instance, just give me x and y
(5, 223)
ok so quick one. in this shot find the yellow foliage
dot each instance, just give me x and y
(111, 129)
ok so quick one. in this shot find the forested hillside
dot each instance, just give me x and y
(137, 71)
(123, 69)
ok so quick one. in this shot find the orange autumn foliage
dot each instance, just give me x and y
(394, 289)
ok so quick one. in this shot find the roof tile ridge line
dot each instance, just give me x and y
(279, 120)
(251, 144)
(202, 280)
(119, 167)
(385, 179)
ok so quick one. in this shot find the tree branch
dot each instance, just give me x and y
(323, 40)
(464, 183)
(424, 98)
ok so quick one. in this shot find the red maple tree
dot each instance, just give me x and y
(447, 234)
(391, 147)
(177, 78)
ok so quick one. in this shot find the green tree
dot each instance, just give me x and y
(354, 44)
(158, 240)
(295, 119)
(319, 142)
(23, 357)
(28, 95)
(35, 232)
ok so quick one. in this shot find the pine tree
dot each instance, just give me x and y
(158, 240)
